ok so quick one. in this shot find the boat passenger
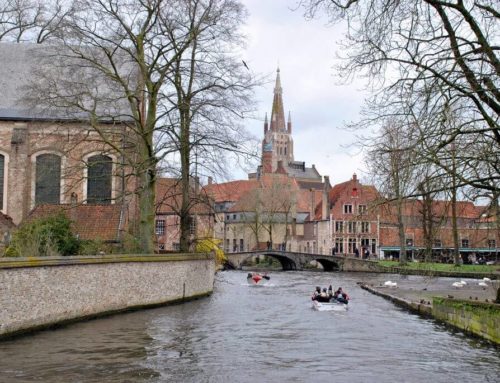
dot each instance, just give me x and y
(316, 293)
(341, 296)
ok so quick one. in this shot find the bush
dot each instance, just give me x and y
(44, 237)
(208, 245)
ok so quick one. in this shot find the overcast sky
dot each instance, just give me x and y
(319, 105)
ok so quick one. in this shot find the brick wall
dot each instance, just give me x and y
(69, 288)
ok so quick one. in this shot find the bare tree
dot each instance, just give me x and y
(210, 90)
(427, 58)
(30, 20)
(153, 69)
(390, 162)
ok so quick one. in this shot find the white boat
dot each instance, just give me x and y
(257, 279)
(329, 306)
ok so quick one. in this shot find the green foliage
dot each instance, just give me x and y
(89, 247)
(44, 237)
(441, 267)
(130, 244)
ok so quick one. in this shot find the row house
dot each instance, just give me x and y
(345, 221)
(360, 223)
(268, 212)
(478, 232)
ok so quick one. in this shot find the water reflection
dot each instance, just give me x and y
(244, 334)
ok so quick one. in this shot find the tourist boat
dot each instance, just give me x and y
(257, 279)
(329, 306)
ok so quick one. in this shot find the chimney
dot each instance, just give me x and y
(267, 162)
(196, 185)
(281, 169)
(313, 205)
(324, 204)
(210, 180)
(326, 181)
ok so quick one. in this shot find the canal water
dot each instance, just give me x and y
(255, 334)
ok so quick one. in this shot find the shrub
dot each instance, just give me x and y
(208, 245)
(44, 237)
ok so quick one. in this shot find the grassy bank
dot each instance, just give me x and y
(442, 267)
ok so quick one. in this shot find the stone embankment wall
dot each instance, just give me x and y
(482, 319)
(37, 293)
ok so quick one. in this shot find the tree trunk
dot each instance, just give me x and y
(147, 211)
(456, 252)
(401, 234)
(185, 184)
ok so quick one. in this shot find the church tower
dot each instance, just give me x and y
(278, 143)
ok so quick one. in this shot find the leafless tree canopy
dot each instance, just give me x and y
(166, 69)
(437, 66)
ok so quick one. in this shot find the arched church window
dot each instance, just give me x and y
(48, 179)
(2, 177)
(285, 150)
(99, 179)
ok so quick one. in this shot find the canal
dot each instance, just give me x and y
(248, 334)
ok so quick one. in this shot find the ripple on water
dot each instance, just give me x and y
(267, 333)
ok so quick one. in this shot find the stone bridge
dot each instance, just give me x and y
(298, 261)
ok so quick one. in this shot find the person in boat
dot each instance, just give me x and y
(341, 296)
(321, 295)
(317, 293)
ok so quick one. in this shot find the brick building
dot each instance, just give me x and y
(51, 157)
(167, 219)
(360, 220)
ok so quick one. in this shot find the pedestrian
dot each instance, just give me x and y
(367, 253)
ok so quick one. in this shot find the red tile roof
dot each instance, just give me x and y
(96, 222)
(230, 191)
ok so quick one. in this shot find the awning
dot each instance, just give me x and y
(461, 249)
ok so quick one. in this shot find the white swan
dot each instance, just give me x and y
(463, 282)
(486, 279)
(484, 284)
(458, 284)
(390, 284)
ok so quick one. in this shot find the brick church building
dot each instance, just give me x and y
(49, 159)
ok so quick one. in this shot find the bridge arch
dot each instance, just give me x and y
(328, 264)
(236, 260)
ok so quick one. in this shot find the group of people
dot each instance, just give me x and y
(329, 296)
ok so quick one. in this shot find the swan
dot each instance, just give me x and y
(463, 282)
(484, 284)
(486, 279)
(458, 284)
(390, 284)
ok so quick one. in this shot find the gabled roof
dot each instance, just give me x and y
(87, 221)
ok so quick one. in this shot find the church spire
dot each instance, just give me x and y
(289, 123)
(266, 125)
(277, 114)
